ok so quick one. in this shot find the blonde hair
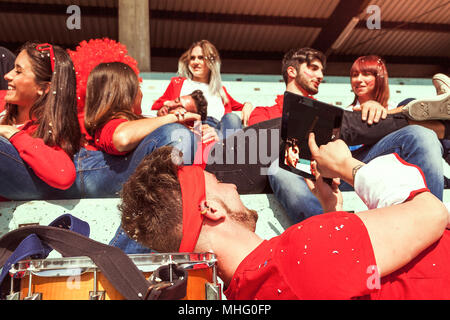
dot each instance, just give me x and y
(212, 60)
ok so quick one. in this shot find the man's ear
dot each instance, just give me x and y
(212, 210)
(292, 72)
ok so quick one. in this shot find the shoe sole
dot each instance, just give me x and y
(438, 109)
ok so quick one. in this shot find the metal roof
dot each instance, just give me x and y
(252, 32)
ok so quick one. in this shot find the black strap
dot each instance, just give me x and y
(117, 267)
(168, 282)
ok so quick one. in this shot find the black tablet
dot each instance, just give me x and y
(302, 115)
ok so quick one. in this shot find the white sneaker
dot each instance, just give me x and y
(436, 108)
(442, 83)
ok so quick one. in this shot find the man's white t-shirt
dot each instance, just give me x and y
(216, 108)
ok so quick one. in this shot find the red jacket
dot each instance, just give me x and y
(260, 114)
(173, 91)
(51, 164)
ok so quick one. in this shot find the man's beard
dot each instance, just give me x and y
(305, 85)
(247, 217)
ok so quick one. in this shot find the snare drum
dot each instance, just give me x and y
(78, 278)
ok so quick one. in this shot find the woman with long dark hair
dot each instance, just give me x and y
(118, 137)
(39, 133)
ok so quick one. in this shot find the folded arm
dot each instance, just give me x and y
(410, 221)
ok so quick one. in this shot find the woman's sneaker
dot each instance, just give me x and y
(441, 83)
(437, 108)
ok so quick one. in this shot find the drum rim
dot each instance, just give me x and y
(59, 266)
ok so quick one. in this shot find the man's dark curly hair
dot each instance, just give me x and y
(151, 206)
(201, 103)
(295, 57)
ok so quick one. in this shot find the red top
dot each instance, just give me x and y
(51, 164)
(173, 91)
(260, 114)
(330, 256)
(104, 138)
(2, 99)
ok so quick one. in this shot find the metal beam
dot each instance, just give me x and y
(409, 26)
(259, 55)
(237, 18)
(337, 22)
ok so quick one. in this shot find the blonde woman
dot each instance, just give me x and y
(199, 69)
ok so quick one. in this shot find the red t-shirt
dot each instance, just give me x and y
(260, 114)
(330, 256)
(51, 164)
(103, 139)
(2, 99)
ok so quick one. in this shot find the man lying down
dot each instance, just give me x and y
(398, 249)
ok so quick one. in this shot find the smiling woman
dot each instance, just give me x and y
(39, 129)
(369, 80)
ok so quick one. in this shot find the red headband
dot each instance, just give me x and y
(44, 47)
(192, 183)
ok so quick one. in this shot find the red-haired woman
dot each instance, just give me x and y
(370, 83)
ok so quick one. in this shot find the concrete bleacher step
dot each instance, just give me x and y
(103, 215)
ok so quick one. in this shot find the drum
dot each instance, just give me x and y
(78, 278)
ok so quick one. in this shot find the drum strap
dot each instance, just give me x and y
(32, 246)
(117, 267)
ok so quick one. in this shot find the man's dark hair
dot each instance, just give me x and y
(295, 57)
(201, 103)
(291, 142)
(151, 206)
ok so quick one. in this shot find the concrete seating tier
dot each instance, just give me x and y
(104, 217)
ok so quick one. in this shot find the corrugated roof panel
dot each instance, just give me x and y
(230, 36)
(287, 8)
(435, 11)
(52, 28)
(397, 42)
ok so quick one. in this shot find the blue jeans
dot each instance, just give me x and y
(228, 125)
(18, 181)
(414, 144)
(101, 175)
(122, 241)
